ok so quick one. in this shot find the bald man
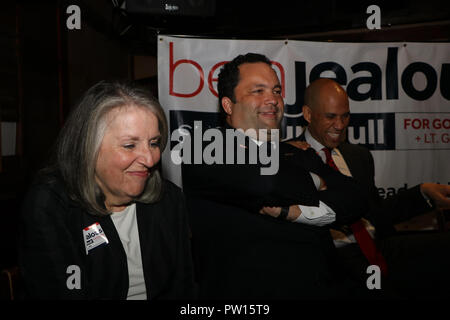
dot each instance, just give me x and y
(417, 263)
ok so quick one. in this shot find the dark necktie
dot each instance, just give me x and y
(360, 232)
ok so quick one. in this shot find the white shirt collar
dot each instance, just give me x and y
(316, 145)
(336, 154)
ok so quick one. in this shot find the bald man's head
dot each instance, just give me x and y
(327, 111)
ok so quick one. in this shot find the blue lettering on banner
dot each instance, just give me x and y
(376, 131)
(374, 81)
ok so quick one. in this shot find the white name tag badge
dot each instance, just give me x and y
(94, 237)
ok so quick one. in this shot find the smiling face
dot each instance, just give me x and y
(329, 114)
(259, 104)
(129, 149)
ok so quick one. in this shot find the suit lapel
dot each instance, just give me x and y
(352, 161)
(107, 262)
(145, 222)
(302, 136)
(155, 243)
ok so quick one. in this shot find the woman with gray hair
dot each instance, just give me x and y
(100, 222)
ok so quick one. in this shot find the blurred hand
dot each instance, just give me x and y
(300, 144)
(271, 211)
(440, 193)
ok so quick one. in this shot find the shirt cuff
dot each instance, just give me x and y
(319, 216)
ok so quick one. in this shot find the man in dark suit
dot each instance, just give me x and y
(239, 253)
(417, 263)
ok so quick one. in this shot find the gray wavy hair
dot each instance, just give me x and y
(80, 139)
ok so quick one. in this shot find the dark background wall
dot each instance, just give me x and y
(44, 67)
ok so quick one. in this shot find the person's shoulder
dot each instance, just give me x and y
(45, 186)
(171, 187)
(171, 192)
(46, 199)
(288, 150)
(356, 148)
(171, 201)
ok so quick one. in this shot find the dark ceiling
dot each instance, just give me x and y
(258, 19)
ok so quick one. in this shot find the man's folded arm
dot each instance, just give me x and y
(245, 187)
(343, 194)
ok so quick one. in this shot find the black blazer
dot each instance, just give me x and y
(382, 213)
(244, 186)
(241, 254)
(51, 240)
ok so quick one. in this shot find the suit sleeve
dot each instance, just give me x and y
(45, 247)
(184, 278)
(245, 187)
(347, 198)
(404, 205)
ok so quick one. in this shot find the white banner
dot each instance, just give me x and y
(399, 96)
